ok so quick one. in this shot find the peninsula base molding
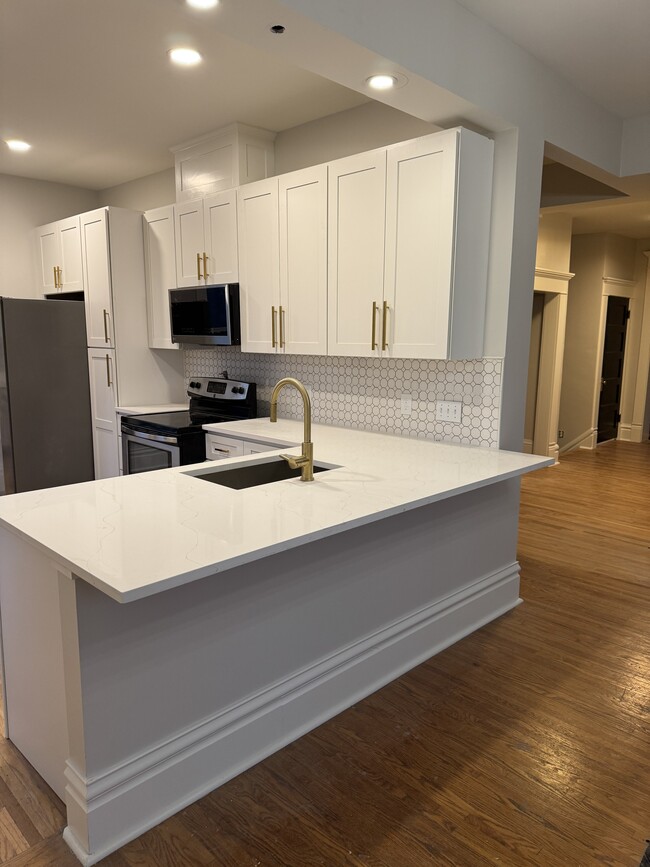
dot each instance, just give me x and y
(135, 797)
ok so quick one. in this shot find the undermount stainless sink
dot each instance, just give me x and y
(252, 475)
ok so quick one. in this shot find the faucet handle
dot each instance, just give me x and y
(296, 462)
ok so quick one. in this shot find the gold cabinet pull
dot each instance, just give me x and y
(60, 277)
(373, 339)
(274, 342)
(198, 266)
(282, 312)
(56, 276)
(106, 338)
(205, 266)
(384, 322)
(108, 370)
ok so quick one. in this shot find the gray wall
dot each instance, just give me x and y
(24, 204)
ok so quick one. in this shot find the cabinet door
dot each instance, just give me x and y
(356, 216)
(103, 398)
(160, 270)
(97, 278)
(420, 202)
(220, 226)
(303, 261)
(189, 243)
(71, 266)
(259, 275)
(48, 253)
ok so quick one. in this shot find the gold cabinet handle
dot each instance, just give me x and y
(373, 339)
(106, 338)
(56, 279)
(384, 322)
(60, 277)
(108, 370)
(274, 342)
(198, 266)
(205, 266)
(282, 311)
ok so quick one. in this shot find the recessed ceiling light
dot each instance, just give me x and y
(382, 82)
(185, 56)
(17, 145)
(202, 4)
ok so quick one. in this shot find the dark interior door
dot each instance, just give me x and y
(612, 370)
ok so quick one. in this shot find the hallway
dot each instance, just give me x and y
(525, 745)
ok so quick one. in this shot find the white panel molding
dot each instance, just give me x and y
(547, 280)
(618, 286)
(133, 796)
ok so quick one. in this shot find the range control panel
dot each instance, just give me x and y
(219, 389)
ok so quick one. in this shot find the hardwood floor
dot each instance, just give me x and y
(528, 743)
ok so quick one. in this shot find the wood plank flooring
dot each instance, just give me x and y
(528, 743)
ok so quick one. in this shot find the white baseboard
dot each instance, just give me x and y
(137, 795)
(586, 440)
(630, 433)
(527, 448)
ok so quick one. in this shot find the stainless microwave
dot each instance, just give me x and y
(206, 314)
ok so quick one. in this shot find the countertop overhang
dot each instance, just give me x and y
(134, 536)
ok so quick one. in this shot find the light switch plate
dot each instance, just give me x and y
(449, 410)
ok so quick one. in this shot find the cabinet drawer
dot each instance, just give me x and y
(218, 448)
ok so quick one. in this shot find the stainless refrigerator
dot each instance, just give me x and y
(45, 415)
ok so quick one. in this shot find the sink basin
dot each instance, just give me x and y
(252, 475)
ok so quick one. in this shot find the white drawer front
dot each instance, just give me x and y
(217, 448)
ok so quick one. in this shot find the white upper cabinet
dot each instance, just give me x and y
(58, 257)
(220, 232)
(283, 263)
(206, 240)
(160, 269)
(259, 266)
(408, 248)
(438, 201)
(97, 278)
(302, 315)
(357, 205)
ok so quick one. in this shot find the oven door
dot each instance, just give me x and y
(144, 452)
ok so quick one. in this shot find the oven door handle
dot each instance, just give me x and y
(157, 438)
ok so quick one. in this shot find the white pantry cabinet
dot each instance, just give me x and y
(408, 248)
(160, 270)
(123, 369)
(58, 257)
(283, 263)
(206, 240)
(103, 396)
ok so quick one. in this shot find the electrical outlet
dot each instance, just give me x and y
(406, 404)
(560, 434)
(449, 410)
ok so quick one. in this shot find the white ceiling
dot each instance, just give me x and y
(602, 46)
(88, 83)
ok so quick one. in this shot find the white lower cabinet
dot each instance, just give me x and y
(218, 447)
(103, 392)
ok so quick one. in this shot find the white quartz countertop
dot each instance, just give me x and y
(145, 409)
(134, 536)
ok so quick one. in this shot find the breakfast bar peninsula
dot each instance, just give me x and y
(162, 632)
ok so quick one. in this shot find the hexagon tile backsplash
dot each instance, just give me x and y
(366, 393)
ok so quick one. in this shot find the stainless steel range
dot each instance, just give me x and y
(172, 439)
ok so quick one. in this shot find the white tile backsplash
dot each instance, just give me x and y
(366, 393)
